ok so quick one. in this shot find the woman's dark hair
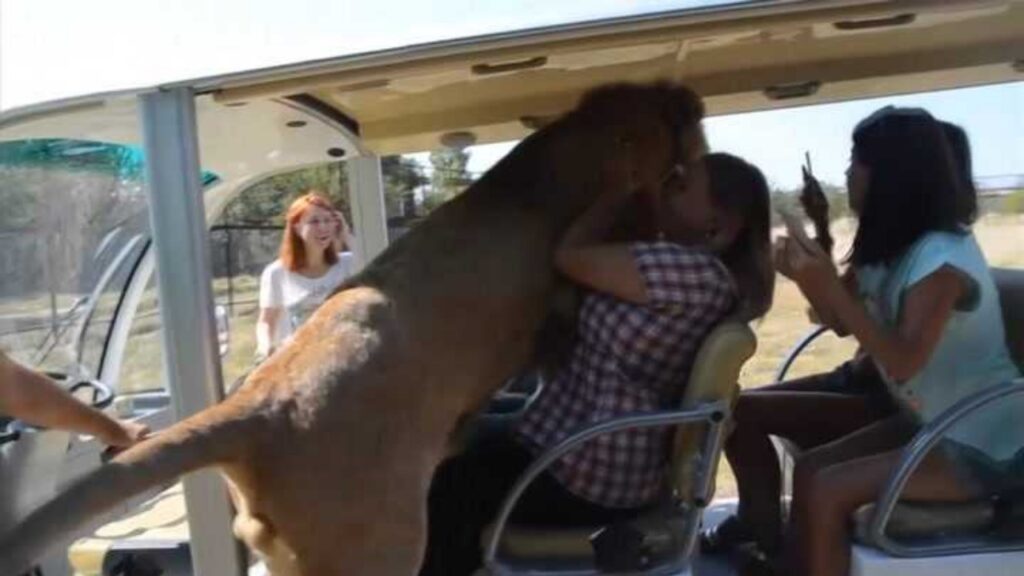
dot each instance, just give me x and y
(738, 187)
(913, 188)
(960, 147)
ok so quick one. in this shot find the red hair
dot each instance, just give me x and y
(293, 250)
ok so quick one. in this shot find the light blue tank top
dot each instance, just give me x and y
(972, 353)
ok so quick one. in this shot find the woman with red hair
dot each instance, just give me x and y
(317, 254)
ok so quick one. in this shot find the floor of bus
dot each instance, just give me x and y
(160, 525)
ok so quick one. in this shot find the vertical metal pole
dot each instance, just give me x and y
(367, 198)
(230, 265)
(54, 325)
(191, 358)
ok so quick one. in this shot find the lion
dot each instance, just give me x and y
(328, 447)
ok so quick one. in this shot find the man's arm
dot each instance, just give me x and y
(30, 396)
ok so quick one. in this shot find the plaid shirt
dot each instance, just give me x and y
(630, 358)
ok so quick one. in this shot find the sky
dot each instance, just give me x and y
(776, 140)
(53, 49)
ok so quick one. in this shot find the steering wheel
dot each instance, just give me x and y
(102, 397)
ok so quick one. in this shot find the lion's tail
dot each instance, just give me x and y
(207, 438)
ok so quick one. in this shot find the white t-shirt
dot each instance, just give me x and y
(299, 296)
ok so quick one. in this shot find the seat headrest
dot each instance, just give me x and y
(716, 368)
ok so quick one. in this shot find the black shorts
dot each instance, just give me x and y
(855, 377)
(983, 474)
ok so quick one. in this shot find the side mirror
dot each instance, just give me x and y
(220, 314)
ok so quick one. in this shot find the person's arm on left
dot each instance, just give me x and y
(30, 396)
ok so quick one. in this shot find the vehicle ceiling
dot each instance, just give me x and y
(749, 56)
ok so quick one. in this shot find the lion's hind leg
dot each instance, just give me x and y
(258, 533)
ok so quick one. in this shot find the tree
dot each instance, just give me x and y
(450, 176)
(402, 176)
(267, 201)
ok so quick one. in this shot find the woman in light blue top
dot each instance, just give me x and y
(923, 306)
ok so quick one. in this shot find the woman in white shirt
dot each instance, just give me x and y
(317, 254)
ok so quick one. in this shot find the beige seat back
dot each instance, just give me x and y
(1010, 283)
(714, 377)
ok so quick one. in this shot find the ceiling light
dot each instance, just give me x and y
(458, 140)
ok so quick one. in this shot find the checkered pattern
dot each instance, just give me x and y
(630, 358)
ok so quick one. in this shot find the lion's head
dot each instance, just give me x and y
(619, 137)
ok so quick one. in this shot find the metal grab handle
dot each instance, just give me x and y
(711, 413)
(914, 453)
(804, 342)
(9, 436)
(103, 395)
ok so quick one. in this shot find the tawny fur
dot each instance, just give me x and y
(329, 446)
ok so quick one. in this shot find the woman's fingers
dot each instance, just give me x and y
(792, 258)
(781, 256)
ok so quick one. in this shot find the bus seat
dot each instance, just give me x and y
(1003, 514)
(713, 379)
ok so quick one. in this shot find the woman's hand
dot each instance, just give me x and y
(815, 205)
(343, 234)
(807, 265)
(341, 222)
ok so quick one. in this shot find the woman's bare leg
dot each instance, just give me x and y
(806, 418)
(832, 489)
(880, 436)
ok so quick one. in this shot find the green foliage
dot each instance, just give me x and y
(267, 201)
(450, 176)
(17, 199)
(402, 176)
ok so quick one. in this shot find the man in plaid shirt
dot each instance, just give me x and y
(630, 358)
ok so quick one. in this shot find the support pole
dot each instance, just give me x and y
(191, 359)
(367, 198)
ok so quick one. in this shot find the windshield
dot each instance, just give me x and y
(73, 224)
